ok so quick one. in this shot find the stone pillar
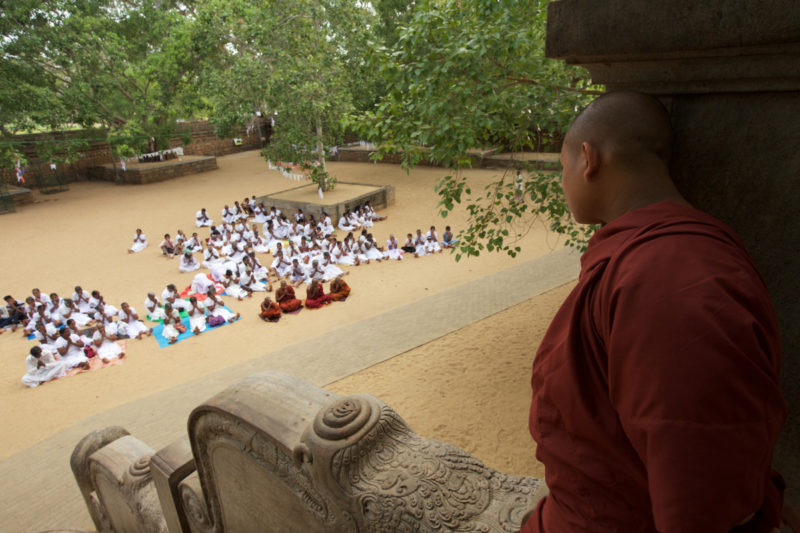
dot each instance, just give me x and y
(729, 73)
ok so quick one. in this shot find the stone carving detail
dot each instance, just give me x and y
(214, 430)
(275, 454)
(113, 472)
(394, 480)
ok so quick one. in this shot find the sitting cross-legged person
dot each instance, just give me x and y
(286, 298)
(315, 295)
(270, 311)
(42, 366)
(340, 290)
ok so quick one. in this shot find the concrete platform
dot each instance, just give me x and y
(344, 196)
(140, 173)
(38, 491)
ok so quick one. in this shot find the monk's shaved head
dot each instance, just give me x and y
(630, 128)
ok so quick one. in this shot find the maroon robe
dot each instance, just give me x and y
(656, 402)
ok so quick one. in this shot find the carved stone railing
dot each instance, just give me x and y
(275, 454)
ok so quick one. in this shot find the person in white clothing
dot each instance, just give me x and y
(153, 306)
(171, 320)
(393, 250)
(81, 299)
(46, 334)
(420, 244)
(105, 343)
(188, 263)
(216, 307)
(201, 219)
(197, 316)
(170, 295)
(232, 288)
(97, 300)
(67, 310)
(70, 348)
(432, 241)
(200, 284)
(139, 242)
(129, 323)
(345, 223)
(193, 244)
(42, 366)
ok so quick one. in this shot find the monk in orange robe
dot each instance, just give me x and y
(339, 289)
(315, 295)
(270, 311)
(656, 399)
(286, 298)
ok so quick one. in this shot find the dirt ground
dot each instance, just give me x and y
(81, 237)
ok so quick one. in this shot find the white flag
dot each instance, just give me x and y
(319, 191)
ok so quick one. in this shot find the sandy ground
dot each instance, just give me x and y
(81, 237)
(472, 387)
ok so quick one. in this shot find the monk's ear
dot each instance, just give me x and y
(590, 160)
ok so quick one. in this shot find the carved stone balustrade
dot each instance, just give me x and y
(275, 454)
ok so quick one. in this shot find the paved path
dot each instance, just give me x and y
(38, 491)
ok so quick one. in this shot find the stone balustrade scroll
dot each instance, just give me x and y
(275, 454)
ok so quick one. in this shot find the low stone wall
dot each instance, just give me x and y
(152, 172)
(38, 172)
(380, 197)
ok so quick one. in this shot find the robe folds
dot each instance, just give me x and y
(339, 291)
(287, 300)
(656, 402)
(316, 297)
(272, 312)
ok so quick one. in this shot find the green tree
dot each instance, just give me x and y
(128, 66)
(467, 74)
(300, 62)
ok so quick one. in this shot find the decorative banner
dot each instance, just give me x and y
(20, 172)
(319, 191)
(122, 164)
(52, 166)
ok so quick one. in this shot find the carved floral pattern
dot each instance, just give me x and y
(402, 482)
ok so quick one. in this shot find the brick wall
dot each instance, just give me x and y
(38, 172)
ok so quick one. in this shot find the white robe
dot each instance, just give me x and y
(154, 311)
(108, 349)
(52, 369)
(345, 224)
(174, 298)
(200, 223)
(188, 264)
(169, 332)
(74, 355)
(133, 328)
(201, 284)
(81, 319)
(392, 251)
(215, 308)
(197, 319)
(139, 243)
(84, 305)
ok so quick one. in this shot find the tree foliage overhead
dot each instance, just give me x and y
(471, 74)
(299, 61)
(125, 65)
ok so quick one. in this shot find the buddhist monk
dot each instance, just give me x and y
(315, 295)
(270, 311)
(656, 402)
(286, 298)
(340, 290)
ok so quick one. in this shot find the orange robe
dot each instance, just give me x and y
(316, 297)
(271, 312)
(287, 301)
(342, 291)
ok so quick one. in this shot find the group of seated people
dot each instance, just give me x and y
(208, 311)
(70, 331)
(286, 300)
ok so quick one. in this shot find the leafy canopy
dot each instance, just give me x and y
(471, 74)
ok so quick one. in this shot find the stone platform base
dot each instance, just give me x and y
(345, 196)
(140, 173)
(19, 195)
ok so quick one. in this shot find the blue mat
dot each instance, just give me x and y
(162, 342)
